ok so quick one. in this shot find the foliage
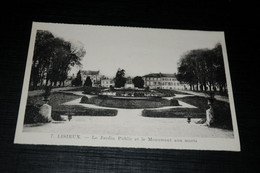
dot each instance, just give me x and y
(77, 81)
(174, 113)
(33, 116)
(53, 58)
(56, 99)
(79, 110)
(91, 90)
(84, 99)
(47, 92)
(174, 102)
(129, 103)
(203, 68)
(222, 114)
(120, 79)
(88, 82)
(138, 82)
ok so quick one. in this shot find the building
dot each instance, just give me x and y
(162, 81)
(94, 76)
(129, 83)
(107, 82)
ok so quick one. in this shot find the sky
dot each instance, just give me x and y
(139, 51)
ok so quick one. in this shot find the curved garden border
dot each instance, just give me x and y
(127, 103)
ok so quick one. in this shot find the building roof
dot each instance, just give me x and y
(159, 75)
(89, 72)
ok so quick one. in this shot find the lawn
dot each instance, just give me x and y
(56, 100)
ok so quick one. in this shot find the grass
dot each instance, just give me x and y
(56, 100)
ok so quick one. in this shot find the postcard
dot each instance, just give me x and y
(114, 86)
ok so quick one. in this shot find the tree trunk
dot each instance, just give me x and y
(205, 86)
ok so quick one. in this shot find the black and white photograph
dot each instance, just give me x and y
(115, 86)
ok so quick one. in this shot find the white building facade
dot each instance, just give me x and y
(162, 81)
(94, 76)
(107, 82)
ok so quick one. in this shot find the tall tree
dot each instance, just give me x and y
(53, 58)
(120, 79)
(77, 81)
(203, 68)
(220, 75)
(41, 57)
(88, 82)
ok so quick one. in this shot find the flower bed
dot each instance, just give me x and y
(126, 103)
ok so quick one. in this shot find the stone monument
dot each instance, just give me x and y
(210, 111)
(45, 109)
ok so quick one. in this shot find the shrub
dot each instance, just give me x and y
(91, 90)
(139, 94)
(103, 96)
(56, 116)
(129, 103)
(174, 102)
(84, 99)
(222, 114)
(32, 115)
(79, 110)
(174, 113)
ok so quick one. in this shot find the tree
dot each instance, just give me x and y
(120, 79)
(203, 68)
(138, 82)
(187, 71)
(41, 57)
(88, 82)
(53, 58)
(220, 76)
(77, 81)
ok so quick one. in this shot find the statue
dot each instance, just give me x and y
(210, 111)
